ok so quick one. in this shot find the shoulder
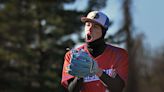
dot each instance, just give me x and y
(117, 50)
(80, 47)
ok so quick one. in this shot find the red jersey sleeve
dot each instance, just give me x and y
(65, 75)
(122, 66)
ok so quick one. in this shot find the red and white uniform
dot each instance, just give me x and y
(112, 58)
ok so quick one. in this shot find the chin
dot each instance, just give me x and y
(89, 40)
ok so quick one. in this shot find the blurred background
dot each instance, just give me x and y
(34, 35)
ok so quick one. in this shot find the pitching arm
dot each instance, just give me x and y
(113, 84)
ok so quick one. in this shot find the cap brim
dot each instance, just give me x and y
(85, 19)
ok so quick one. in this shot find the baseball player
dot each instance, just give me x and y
(95, 66)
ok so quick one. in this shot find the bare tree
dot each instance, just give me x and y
(124, 35)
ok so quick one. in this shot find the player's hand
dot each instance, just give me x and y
(82, 64)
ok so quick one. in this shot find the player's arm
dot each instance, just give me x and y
(113, 84)
(74, 84)
(116, 83)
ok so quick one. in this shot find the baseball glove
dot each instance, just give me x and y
(82, 64)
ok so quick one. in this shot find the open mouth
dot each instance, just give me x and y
(89, 37)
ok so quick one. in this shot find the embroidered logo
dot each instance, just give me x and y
(110, 72)
(95, 15)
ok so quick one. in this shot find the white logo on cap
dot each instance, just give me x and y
(94, 15)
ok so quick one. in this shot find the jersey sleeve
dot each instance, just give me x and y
(65, 75)
(122, 66)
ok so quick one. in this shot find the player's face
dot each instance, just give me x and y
(93, 31)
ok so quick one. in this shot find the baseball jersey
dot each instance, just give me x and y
(112, 58)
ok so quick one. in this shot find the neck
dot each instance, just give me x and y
(96, 47)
